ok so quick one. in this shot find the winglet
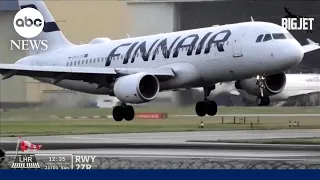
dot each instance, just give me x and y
(311, 46)
(251, 19)
(128, 35)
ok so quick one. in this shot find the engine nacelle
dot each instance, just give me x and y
(100, 40)
(136, 88)
(274, 84)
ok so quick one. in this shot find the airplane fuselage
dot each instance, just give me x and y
(198, 57)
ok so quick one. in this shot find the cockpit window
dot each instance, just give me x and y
(259, 38)
(278, 36)
(267, 37)
(289, 36)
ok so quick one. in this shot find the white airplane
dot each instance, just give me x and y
(289, 87)
(136, 69)
(294, 87)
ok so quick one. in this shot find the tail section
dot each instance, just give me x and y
(51, 32)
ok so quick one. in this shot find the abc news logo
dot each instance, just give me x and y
(29, 23)
(297, 23)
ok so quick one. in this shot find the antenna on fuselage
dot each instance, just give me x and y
(128, 35)
(251, 19)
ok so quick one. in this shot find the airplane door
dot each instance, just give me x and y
(237, 42)
(237, 49)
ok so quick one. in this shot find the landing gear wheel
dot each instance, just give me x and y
(128, 113)
(263, 101)
(117, 113)
(211, 108)
(206, 106)
(200, 108)
(266, 100)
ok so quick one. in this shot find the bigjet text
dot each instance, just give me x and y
(178, 43)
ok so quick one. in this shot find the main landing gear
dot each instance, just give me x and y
(123, 112)
(206, 106)
(262, 100)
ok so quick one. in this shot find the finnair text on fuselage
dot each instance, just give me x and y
(166, 49)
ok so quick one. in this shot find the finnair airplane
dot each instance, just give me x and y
(136, 69)
(280, 90)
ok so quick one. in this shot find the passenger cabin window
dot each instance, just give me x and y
(278, 36)
(267, 37)
(259, 38)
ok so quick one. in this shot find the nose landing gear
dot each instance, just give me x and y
(262, 100)
(206, 106)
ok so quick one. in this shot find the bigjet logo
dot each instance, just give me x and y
(296, 22)
(29, 23)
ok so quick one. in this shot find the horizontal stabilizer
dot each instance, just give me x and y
(311, 46)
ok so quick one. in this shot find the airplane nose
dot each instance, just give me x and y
(294, 53)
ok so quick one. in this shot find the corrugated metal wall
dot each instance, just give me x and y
(151, 18)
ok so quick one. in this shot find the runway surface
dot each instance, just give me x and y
(170, 137)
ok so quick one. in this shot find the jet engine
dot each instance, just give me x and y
(273, 84)
(136, 88)
(100, 40)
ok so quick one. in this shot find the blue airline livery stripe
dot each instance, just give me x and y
(48, 26)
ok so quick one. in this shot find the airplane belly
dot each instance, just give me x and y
(77, 86)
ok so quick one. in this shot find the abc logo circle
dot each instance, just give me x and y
(28, 22)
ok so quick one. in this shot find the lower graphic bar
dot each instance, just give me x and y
(165, 174)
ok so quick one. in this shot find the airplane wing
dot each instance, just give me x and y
(311, 46)
(87, 74)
